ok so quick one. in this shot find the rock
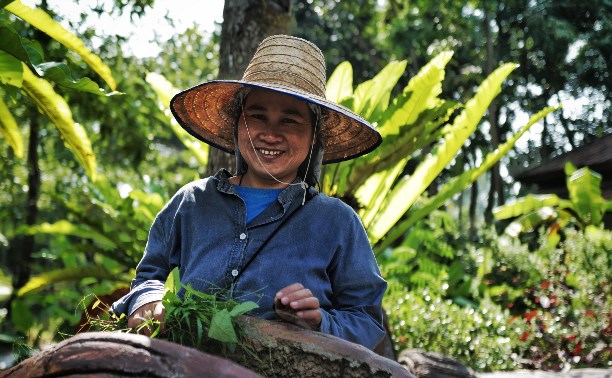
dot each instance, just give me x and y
(286, 350)
(433, 365)
(104, 354)
(577, 373)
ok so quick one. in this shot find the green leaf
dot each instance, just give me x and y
(530, 221)
(21, 316)
(63, 227)
(164, 90)
(41, 20)
(60, 74)
(464, 125)
(373, 192)
(56, 108)
(10, 130)
(221, 327)
(340, 83)
(173, 282)
(459, 183)
(66, 275)
(11, 72)
(243, 308)
(584, 186)
(525, 205)
(372, 97)
(423, 88)
(29, 52)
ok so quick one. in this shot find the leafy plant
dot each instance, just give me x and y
(585, 207)
(563, 298)
(411, 124)
(197, 319)
(22, 66)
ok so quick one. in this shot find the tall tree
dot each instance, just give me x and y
(245, 24)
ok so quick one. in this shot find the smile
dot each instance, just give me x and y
(269, 152)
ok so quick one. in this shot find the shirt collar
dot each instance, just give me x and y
(285, 198)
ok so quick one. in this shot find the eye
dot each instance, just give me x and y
(257, 116)
(290, 121)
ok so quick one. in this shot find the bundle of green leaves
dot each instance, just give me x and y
(197, 320)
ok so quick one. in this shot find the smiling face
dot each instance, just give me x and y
(281, 131)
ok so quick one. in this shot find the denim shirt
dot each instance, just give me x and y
(323, 245)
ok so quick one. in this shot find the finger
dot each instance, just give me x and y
(296, 296)
(309, 315)
(289, 289)
(305, 304)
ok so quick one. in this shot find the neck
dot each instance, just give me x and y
(257, 182)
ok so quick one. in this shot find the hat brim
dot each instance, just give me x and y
(206, 112)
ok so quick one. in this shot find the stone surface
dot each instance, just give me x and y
(286, 350)
(433, 365)
(106, 354)
(577, 373)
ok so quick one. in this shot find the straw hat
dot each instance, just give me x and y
(287, 65)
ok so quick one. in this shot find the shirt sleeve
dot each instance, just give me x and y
(153, 269)
(358, 289)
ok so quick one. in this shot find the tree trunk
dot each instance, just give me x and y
(472, 209)
(23, 246)
(245, 24)
(496, 189)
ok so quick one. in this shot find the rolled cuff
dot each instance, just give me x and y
(146, 292)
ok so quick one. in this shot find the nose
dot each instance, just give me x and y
(270, 133)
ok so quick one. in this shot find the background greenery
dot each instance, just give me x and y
(529, 289)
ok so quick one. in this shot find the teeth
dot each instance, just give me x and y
(268, 152)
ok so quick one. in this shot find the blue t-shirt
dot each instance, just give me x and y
(256, 199)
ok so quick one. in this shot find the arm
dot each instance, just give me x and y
(147, 287)
(356, 312)
(358, 289)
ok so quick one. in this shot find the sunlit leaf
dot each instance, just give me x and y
(173, 282)
(66, 275)
(423, 88)
(459, 183)
(56, 108)
(10, 130)
(372, 97)
(525, 205)
(584, 188)
(63, 227)
(463, 126)
(373, 192)
(340, 83)
(11, 72)
(42, 21)
(164, 90)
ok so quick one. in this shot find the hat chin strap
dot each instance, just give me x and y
(303, 184)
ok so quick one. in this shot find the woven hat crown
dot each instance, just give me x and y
(289, 62)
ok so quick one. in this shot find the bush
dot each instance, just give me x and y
(480, 338)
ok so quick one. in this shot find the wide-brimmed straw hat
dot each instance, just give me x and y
(283, 64)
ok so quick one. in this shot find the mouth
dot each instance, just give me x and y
(269, 153)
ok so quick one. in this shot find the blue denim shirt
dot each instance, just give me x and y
(202, 230)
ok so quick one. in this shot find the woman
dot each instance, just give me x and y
(265, 234)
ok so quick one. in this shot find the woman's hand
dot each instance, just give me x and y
(153, 310)
(296, 304)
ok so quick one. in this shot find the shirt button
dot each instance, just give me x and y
(235, 272)
(242, 236)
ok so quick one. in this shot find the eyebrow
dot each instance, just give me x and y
(286, 111)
